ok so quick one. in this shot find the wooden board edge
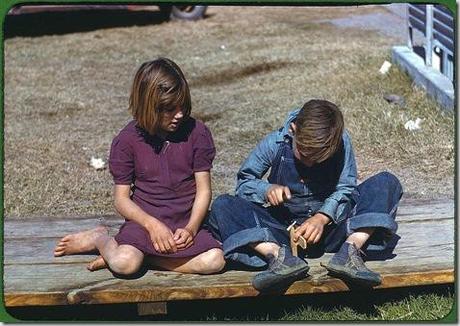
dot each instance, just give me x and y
(308, 286)
(35, 299)
(389, 281)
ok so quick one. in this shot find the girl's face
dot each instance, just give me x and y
(171, 119)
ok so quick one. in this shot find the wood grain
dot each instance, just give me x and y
(32, 276)
(430, 236)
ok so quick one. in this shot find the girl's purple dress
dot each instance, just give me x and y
(162, 175)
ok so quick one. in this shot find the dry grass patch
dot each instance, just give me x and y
(66, 97)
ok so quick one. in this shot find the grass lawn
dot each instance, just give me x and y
(66, 94)
(66, 98)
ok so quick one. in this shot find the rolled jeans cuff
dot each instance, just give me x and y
(242, 239)
(385, 228)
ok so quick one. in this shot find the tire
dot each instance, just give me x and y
(165, 11)
(187, 12)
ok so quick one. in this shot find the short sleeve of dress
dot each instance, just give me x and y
(121, 161)
(204, 150)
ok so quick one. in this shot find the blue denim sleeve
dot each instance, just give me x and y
(250, 184)
(337, 204)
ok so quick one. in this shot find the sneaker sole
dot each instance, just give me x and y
(343, 275)
(284, 282)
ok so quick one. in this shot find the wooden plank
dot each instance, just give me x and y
(409, 210)
(57, 227)
(229, 285)
(417, 210)
(21, 299)
(426, 235)
(434, 253)
(67, 277)
(51, 277)
(38, 251)
(32, 276)
(232, 288)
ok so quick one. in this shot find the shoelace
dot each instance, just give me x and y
(356, 259)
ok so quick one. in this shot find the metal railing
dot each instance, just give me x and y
(436, 23)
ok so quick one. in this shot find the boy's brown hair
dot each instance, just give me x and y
(319, 128)
(158, 86)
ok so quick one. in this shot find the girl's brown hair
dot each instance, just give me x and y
(319, 128)
(158, 86)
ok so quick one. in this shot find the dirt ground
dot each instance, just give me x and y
(67, 80)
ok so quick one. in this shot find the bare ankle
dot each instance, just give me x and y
(266, 248)
(101, 240)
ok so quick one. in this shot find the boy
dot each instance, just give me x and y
(312, 183)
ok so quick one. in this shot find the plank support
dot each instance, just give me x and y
(152, 308)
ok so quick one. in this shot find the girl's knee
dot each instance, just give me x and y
(212, 261)
(125, 263)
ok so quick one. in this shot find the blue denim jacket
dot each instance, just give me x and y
(340, 196)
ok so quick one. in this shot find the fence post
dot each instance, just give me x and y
(429, 35)
(409, 28)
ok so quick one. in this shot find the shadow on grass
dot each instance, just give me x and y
(52, 23)
(242, 309)
(235, 73)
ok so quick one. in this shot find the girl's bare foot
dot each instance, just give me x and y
(96, 264)
(80, 242)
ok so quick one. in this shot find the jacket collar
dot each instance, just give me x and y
(284, 132)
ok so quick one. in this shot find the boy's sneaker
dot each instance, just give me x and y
(348, 264)
(281, 271)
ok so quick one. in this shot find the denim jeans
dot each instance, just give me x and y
(237, 222)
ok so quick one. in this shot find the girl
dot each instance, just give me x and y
(160, 163)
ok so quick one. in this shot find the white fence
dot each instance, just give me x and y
(436, 23)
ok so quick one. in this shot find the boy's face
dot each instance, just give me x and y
(304, 159)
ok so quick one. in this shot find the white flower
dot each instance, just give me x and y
(80, 105)
(97, 163)
(385, 67)
(222, 47)
(412, 125)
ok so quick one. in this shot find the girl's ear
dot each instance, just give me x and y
(292, 128)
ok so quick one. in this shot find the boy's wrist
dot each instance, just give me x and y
(323, 218)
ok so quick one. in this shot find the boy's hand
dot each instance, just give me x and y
(278, 194)
(312, 229)
(162, 238)
(183, 238)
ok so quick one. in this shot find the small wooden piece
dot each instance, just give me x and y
(294, 244)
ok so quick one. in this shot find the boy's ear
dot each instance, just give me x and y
(292, 128)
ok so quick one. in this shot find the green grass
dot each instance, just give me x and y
(414, 304)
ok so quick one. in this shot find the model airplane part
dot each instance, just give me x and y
(299, 242)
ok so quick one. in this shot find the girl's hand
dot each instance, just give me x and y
(312, 229)
(162, 238)
(183, 238)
